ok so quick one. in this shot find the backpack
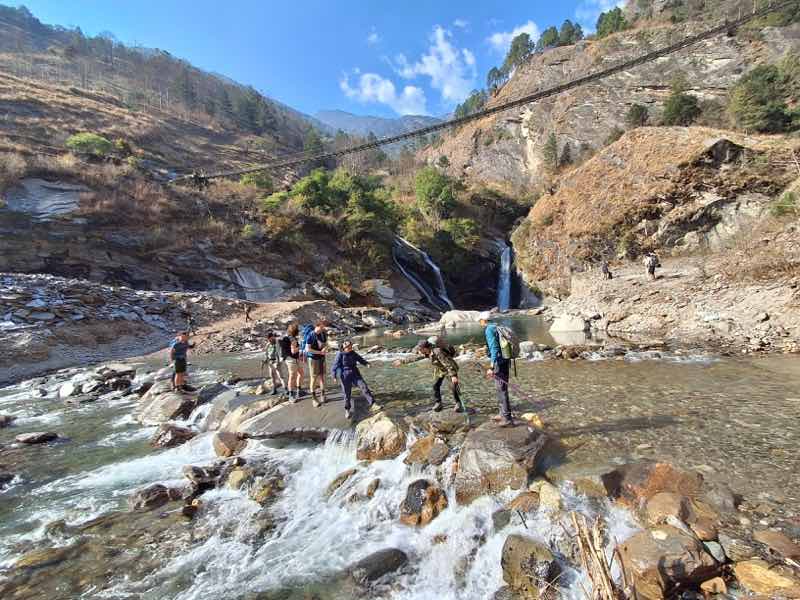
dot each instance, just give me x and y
(509, 343)
(305, 334)
(285, 346)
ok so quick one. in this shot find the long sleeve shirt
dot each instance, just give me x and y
(493, 344)
(347, 363)
(443, 364)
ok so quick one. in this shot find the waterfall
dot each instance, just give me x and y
(504, 281)
(436, 295)
(255, 286)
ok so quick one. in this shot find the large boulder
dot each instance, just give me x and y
(762, 578)
(226, 444)
(634, 484)
(494, 458)
(529, 568)
(222, 404)
(155, 409)
(380, 437)
(301, 421)
(207, 393)
(377, 565)
(569, 323)
(424, 501)
(152, 497)
(664, 559)
(249, 407)
(170, 436)
(429, 450)
(36, 437)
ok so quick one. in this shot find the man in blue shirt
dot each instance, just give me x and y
(178, 350)
(499, 371)
(315, 348)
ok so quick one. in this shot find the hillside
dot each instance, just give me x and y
(379, 126)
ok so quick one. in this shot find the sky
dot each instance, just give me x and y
(369, 57)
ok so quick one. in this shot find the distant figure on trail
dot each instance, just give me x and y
(186, 313)
(178, 351)
(289, 348)
(443, 366)
(316, 343)
(272, 360)
(606, 271)
(500, 369)
(651, 262)
(345, 368)
(247, 309)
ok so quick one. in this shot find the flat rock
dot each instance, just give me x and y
(778, 542)
(494, 458)
(297, 421)
(170, 436)
(377, 565)
(759, 577)
(429, 450)
(38, 437)
(444, 422)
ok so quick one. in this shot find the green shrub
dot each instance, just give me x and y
(260, 179)
(637, 116)
(464, 232)
(435, 194)
(758, 100)
(785, 206)
(337, 278)
(680, 108)
(122, 147)
(89, 144)
(550, 153)
(274, 201)
(250, 232)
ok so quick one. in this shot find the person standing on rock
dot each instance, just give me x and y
(272, 361)
(289, 347)
(606, 271)
(316, 343)
(345, 368)
(443, 366)
(247, 309)
(500, 369)
(651, 262)
(178, 352)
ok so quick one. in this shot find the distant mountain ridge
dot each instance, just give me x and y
(380, 126)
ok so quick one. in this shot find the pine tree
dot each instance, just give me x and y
(550, 153)
(566, 155)
(183, 88)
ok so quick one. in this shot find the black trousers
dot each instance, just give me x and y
(501, 374)
(437, 391)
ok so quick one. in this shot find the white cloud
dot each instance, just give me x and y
(451, 70)
(371, 87)
(461, 23)
(589, 10)
(373, 37)
(501, 40)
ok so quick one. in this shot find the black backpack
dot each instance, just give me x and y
(285, 346)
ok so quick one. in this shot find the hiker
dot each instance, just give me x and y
(345, 368)
(500, 369)
(247, 309)
(443, 366)
(178, 351)
(272, 360)
(315, 344)
(606, 271)
(650, 263)
(290, 355)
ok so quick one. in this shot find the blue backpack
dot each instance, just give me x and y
(305, 334)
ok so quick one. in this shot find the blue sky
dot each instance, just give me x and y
(367, 57)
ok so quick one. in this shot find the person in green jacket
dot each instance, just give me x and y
(443, 366)
(272, 360)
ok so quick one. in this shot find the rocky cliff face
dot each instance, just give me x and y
(505, 150)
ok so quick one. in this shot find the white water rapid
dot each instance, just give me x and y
(437, 297)
(504, 281)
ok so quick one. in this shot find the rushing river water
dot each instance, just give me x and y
(734, 419)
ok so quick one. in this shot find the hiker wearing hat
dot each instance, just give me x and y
(345, 368)
(178, 351)
(500, 369)
(443, 366)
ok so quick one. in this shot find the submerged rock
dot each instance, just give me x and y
(152, 497)
(665, 558)
(38, 437)
(529, 567)
(377, 565)
(429, 450)
(340, 480)
(445, 422)
(6, 420)
(380, 437)
(170, 436)
(424, 501)
(494, 458)
(634, 484)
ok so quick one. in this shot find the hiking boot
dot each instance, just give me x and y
(348, 414)
(315, 401)
(294, 397)
(458, 408)
(188, 388)
(437, 407)
(274, 391)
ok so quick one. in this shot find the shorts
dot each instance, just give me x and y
(317, 366)
(292, 366)
(180, 365)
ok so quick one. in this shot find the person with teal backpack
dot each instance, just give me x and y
(503, 348)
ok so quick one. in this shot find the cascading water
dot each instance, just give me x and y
(504, 281)
(256, 286)
(436, 295)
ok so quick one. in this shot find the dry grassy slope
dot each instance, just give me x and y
(39, 117)
(505, 150)
(655, 188)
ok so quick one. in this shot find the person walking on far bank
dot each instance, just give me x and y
(247, 309)
(500, 369)
(178, 352)
(606, 270)
(345, 368)
(316, 344)
(651, 262)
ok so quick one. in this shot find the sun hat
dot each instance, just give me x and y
(484, 316)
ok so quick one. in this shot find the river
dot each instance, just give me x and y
(732, 419)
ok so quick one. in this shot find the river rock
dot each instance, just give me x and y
(377, 565)
(529, 567)
(524, 502)
(445, 422)
(170, 436)
(227, 444)
(207, 393)
(267, 488)
(202, 476)
(379, 437)
(163, 407)
(38, 437)
(116, 370)
(549, 495)
(300, 421)
(339, 481)
(5, 477)
(736, 548)
(663, 558)
(714, 586)
(667, 504)
(6, 420)
(779, 543)
(634, 484)
(423, 503)
(429, 450)
(569, 323)
(69, 389)
(222, 405)
(152, 497)
(494, 458)
(760, 577)
(239, 477)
